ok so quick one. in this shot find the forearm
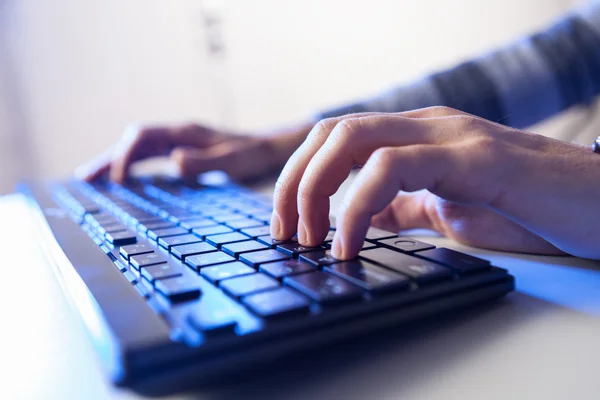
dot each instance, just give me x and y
(518, 85)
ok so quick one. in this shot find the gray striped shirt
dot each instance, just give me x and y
(519, 85)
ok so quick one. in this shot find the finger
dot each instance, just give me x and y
(474, 226)
(387, 171)
(351, 142)
(95, 168)
(407, 211)
(140, 143)
(228, 157)
(284, 221)
(433, 112)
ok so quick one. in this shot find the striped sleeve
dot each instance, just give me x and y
(517, 85)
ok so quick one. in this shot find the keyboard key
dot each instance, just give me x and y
(144, 260)
(206, 210)
(421, 270)
(279, 269)
(180, 214)
(170, 241)
(329, 237)
(256, 232)
(368, 245)
(224, 216)
(324, 287)
(243, 223)
(219, 272)
(149, 287)
(378, 234)
(121, 238)
(214, 318)
(218, 240)
(147, 215)
(130, 276)
(142, 290)
(187, 217)
(211, 230)
(317, 258)
(264, 216)
(204, 260)
(197, 223)
(235, 249)
(248, 284)
(269, 241)
(277, 302)
(405, 244)
(161, 233)
(100, 219)
(161, 271)
(462, 263)
(121, 266)
(155, 224)
(185, 287)
(112, 228)
(185, 250)
(295, 249)
(144, 218)
(369, 276)
(251, 210)
(260, 257)
(135, 249)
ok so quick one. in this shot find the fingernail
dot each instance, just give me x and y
(302, 233)
(275, 226)
(337, 247)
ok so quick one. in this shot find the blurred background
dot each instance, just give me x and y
(73, 73)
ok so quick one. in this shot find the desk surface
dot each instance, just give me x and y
(543, 341)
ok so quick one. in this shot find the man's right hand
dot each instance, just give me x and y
(196, 149)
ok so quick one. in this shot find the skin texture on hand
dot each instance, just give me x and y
(196, 149)
(470, 179)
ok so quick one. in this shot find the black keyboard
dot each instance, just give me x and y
(180, 282)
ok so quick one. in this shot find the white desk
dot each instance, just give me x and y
(542, 342)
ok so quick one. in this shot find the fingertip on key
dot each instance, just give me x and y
(302, 234)
(337, 247)
(276, 226)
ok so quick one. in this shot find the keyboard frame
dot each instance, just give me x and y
(138, 351)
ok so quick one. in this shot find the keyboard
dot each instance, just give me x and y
(182, 282)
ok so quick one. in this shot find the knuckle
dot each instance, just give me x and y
(281, 190)
(444, 110)
(305, 190)
(485, 144)
(384, 157)
(469, 123)
(345, 130)
(323, 127)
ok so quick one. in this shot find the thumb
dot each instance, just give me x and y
(470, 225)
(407, 211)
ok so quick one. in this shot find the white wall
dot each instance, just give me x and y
(85, 68)
(290, 57)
